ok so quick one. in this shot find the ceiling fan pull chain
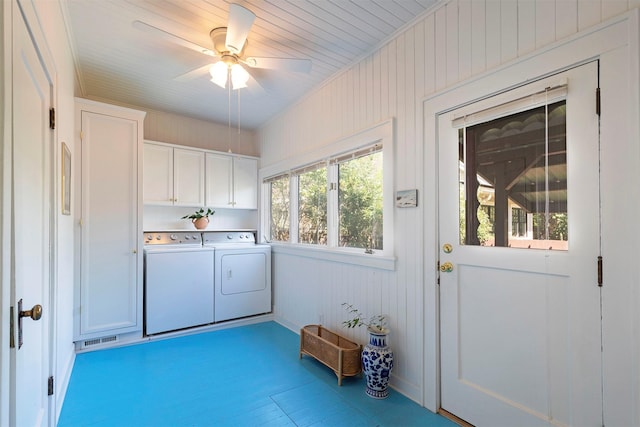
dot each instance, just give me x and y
(229, 113)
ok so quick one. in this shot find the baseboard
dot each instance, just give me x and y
(62, 383)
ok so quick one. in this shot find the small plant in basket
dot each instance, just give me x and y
(377, 323)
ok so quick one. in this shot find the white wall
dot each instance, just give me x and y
(455, 42)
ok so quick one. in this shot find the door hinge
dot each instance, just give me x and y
(50, 386)
(438, 272)
(600, 271)
(52, 118)
(12, 341)
(81, 135)
(598, 105)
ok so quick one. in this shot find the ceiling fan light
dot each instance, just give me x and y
(219, 73)
(239, 76)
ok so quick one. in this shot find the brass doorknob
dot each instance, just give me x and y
(446, 267)
(35, 313)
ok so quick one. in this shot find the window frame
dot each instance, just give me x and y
(381, 134)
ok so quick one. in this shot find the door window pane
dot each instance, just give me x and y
(513, 180)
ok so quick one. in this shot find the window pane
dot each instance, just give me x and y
(514, 181)
(312, 206)
(360, 202)
(280, 209)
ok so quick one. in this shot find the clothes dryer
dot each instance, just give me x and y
(242, 274)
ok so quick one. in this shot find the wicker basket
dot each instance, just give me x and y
(333, 350)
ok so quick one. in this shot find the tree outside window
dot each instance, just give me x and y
(360, 202)
(280, 208)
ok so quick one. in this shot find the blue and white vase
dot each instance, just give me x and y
(377, 363)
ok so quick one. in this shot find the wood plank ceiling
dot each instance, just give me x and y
(119, 62)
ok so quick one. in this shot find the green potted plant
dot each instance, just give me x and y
(377, 323)
(200, 218)
(377, 356)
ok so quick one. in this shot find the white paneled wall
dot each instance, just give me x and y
(456, 41)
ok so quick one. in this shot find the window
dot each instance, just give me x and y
(360, 199)
(312, 206)
(513, 178)
(279, 212)
(339, 199)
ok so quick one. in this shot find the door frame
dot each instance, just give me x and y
(620, 33)
(7, 290)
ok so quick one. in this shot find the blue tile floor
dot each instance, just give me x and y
(245, 376)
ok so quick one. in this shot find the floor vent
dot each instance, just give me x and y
(89, 343)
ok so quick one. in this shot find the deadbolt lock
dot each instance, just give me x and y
(447, 248)
(446, 267)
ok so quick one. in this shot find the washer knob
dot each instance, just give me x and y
(229, 236)
(173, 237)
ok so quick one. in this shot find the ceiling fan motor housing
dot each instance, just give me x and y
(219, 38)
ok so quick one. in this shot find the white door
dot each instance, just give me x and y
(31, 216)
(519, 294)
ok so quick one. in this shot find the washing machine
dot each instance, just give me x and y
(242, 284)
(178, 281)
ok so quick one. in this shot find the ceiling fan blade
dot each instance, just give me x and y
(193, 74)
(254, 87)
(240, 22)
(150, 29)
(286, 64)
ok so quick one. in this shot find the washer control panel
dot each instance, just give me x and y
(172, 238)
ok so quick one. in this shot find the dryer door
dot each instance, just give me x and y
(242, 272)
(243, 284)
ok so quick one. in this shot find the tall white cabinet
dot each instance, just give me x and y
(109, 290)
(173, 176)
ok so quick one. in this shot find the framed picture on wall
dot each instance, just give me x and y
(66, 180)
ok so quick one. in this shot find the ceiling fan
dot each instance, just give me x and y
(229, 44)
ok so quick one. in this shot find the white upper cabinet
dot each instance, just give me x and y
(245, 183)
(219, 178)
(173, 176)
(231, 181)
(158, 174)
(188, 177)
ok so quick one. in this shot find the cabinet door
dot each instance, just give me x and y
(245, 183)
(188, 177)
(110, 266)
(158, 174)
(219, 180)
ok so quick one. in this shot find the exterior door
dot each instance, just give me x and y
(32, 140)
(519, 294)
